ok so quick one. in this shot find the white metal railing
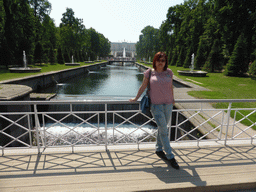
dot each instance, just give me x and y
(45, 124)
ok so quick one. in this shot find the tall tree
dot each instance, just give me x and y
(39, 53)
(52, 56)
(95, 43)
(68, 18)
(17, 32)
(48, 37)
(73, 35)
(252, 69)
(235, 17)
(8, 41)
(60, 58)
(41, 8)
(238, 63)
(215, 58)
(104, 46)
(66, 56)
(148, 44)
(187, 62)
(175, 53)
(181, 58)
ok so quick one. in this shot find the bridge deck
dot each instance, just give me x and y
(208, 168)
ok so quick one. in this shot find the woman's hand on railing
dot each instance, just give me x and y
(133, 100)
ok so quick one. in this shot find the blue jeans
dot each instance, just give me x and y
(162, 115)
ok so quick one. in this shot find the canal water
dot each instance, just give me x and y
(112, 82)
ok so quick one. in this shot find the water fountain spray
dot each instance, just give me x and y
(24, 60)
(192, 62)
(124, 54)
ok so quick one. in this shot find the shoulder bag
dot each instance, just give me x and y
(145, 101)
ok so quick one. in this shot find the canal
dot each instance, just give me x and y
(112, 82)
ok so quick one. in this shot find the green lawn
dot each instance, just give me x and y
(224, 87)
(6, 75)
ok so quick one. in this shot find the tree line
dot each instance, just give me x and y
(25, 25)
(220, 33)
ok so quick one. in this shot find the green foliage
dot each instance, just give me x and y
(95, 42)
(48, 36)
(164, 36)
(193, 26)
(174, 56)
(52, 56)
(71, 53)
(2, 23)
(39, 52)
(77, 58)
(252, 69)
(66, 56)
(235, 17)
(181, 58)
(187, 61)
(206, 41)
(81, 56)
(104, 46)
(215, 59)
(25, 25)
(60, 58)
(17, 33)
(201, 54)
(41, 8)
(238, 63)
(148, 44)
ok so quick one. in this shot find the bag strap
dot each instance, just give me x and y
(149, 82)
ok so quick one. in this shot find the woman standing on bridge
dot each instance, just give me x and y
(162, 100)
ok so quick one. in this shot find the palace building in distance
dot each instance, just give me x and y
(123, 49)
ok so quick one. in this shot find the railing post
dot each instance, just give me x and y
(37, 125)
(222, 124)
(228, 117)
(106, 126)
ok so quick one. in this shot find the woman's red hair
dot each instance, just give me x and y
(158, 56)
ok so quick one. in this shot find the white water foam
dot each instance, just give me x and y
(85, 134)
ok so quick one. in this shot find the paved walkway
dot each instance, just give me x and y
(208, 168)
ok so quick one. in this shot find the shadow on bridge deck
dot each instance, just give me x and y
(208, 168)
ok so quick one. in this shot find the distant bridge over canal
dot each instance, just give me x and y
(122, 60)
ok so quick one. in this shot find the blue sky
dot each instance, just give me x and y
(117, 20)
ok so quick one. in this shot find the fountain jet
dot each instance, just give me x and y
(124, 54)
(24, 60)
(25, 68)
(192, 62)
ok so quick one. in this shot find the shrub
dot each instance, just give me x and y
(237, 64)
(60, 58)
(214, 60)
(52, 56)
(181, 57)
(66, 56)
(252, 69)
(38, 54)
(187, 62)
